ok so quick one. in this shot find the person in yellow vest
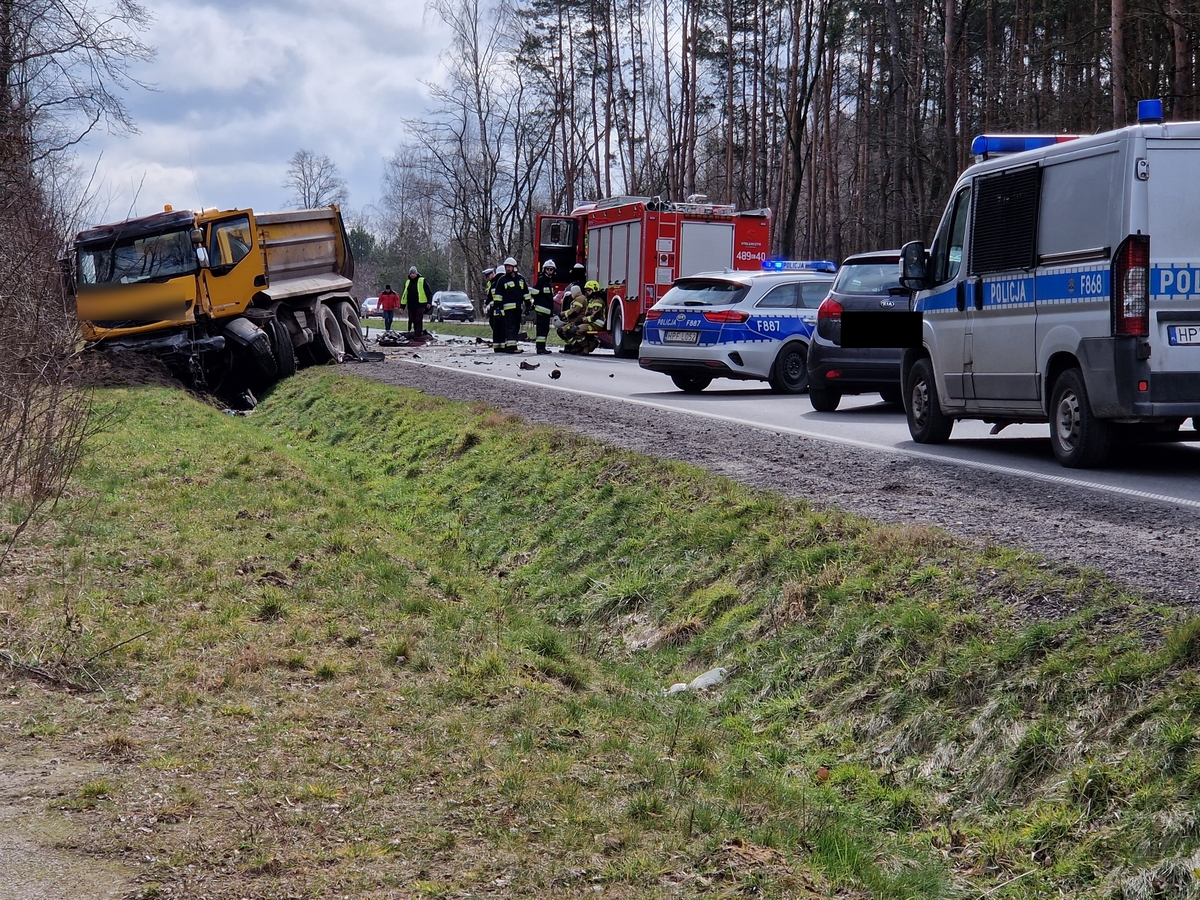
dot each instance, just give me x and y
(415, 298)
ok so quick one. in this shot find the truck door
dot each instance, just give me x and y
(943, 307)
(1000, 308)
(235, 266)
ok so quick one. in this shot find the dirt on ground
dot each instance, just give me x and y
(1146, 544)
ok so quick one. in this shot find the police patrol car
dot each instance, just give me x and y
(742, 325)
(1062, 287)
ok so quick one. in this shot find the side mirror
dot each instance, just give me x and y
(197, 236)
(202, 257)
(912, 265)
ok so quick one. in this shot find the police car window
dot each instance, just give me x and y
(813, 292)
(702, 292)
(782, 296)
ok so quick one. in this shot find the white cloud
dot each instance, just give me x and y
(241, 87)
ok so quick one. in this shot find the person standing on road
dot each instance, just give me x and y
(543, 304)
(511, 289)
(416, 299)
(389, 302)
(493, 308)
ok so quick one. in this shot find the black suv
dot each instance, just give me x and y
(865, 282)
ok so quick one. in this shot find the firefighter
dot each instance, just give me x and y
(511, 291)
(583, 319)
(491, 308)
(578, 275)
(543, 304)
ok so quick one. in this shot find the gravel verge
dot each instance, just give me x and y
(1146, 545)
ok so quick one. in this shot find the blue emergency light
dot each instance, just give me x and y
(1150, 111)
(799, 265)
(989, 145)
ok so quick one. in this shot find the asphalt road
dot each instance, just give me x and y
(1168, 473)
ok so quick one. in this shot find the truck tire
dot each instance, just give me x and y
(691, 384)
(351, 329)
(789, 374)
(926, 422)
(625, 343)
(285, 352)
(1078, 438)
(327, 344)
(823, 400)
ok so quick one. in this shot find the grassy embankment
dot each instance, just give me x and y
(401, 647)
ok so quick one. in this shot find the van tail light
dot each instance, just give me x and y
(829, 320)
(727, 316)
(1131, 287)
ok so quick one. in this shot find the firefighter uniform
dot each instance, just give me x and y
(542, 295)
(511, 290)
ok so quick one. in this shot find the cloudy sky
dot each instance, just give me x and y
(241, 85)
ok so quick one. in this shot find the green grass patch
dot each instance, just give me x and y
(382, 642)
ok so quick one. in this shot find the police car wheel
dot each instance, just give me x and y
(926, 422)
(789, 375)
(1078, 438)
(691, 384)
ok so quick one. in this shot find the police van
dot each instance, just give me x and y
(1063, 286)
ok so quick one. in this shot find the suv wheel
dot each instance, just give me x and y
(789, 375)
(926, 422)
(1079, 439)
(823, 400)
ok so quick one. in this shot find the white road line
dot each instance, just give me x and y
(851, 442)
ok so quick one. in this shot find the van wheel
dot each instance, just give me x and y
(1079, 439)
(691, 384)
(823, 400)
(789, 375)
(926, 422)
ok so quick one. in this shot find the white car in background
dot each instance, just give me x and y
(370, 308)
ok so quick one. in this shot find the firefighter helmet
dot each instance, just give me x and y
(510, 262)
(592, 286)
(549, 264)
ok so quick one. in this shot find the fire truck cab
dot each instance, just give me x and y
(637, 246)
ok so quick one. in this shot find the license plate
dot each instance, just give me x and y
(1183, 334)
(681, 337)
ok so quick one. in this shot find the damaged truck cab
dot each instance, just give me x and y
(228, 300)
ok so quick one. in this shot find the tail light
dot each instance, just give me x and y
(727, 316)
(829, 320)
(1131, 287)
(652, 314)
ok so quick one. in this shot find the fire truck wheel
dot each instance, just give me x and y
(285, 352)
(625, 343)
(691, 384)
(789, 375)
(328, 344)
(351, 329)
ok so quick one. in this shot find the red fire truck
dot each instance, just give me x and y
(637, 246)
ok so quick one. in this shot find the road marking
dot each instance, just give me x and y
(850, 442)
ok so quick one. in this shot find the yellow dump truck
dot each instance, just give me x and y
(230, 300)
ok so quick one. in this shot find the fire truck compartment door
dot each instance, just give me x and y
(705, 247)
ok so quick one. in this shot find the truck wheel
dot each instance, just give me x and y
(1079, 439)
(351, 329)
(327, 344)
(823, 400)
(625, 343)
(691, 384)
(926, 422)
(789, 375)
(285, 352)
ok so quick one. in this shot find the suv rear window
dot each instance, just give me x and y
(868, 278)
(704, 292)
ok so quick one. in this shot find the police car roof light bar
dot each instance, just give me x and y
(794, 265)
(986, 146)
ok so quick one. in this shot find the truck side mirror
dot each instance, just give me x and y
(197, 236)
(202, 257)
(912, 265)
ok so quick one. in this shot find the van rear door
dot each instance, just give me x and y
(1173, 189)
